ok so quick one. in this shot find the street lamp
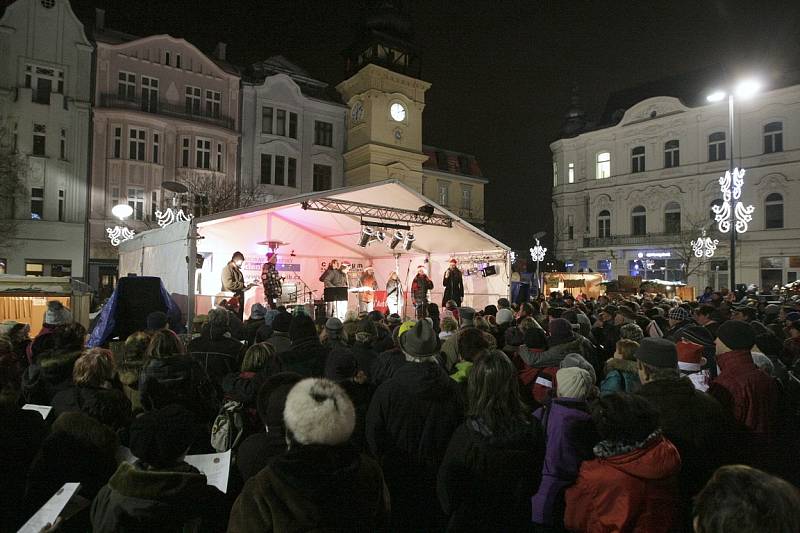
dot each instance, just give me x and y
(734, 178)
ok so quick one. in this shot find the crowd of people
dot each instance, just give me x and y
(641, 413)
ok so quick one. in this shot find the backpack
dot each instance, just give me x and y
(541, 382)
(228, 427)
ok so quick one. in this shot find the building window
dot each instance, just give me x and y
(185, 152)
(266, 120)
(718, 273)
(773, 137)
(154, 205)
(61, 205)
(37, 203)
(711, 214)
(603, 165)
(444, 193)
(280, 122)
(62, 146)
(126, 86)
(323, 133)
(200, 204)
(136, 201)
(323, 177)
(466, 198)
(114, 197)
(193, 100)
(280, 169)
(570, 232)
(117, 143)
(716, 146)
(773, 211)
(136, 142)
(604, 224)
(672, 153)
(39, 139)
(219, 158)
(213, 103)
(637, 159)
(672, 218)
(3, 265)
(42, 80)
(570, 172)
(177, 61)
(149, 94)
(638, 221)
(555, 173)
(463, 165)
(291, 173)
(203, 154)
(266, 169)
(156, 147)
(15, 138)
(293, 125)
(167, 58)
(34, 269)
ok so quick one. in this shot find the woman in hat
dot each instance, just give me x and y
(394, 294)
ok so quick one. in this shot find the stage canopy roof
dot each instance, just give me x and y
(308, 230)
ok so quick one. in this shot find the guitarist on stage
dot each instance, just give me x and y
(233, 281)
(271, 280)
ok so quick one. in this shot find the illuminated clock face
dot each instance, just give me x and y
(398, 112)
(357, 112)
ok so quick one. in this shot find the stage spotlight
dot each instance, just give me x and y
(396, 238)
(366, 235)
(409, 239)
(380, 235)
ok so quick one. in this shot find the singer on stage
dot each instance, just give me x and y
(366, 299)
(271, 280)
(419, 292)
(394, 294)
(335, 280)
(233, 281)
(453, 284)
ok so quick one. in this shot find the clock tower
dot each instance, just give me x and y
(385, 98)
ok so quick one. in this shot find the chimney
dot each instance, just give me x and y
(220, 51)
(99, 18)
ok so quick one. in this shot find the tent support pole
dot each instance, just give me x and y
(191, 266)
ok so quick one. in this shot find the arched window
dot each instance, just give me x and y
(672, 218)
(716, 146)
(672, 153)
(639, 220)
(773, 137)
(603, 165)
(637, 159)
(773, 211)
(604, 223)
(711, 214)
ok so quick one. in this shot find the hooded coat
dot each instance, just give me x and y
(569, 438)
(629, 492)
(178, 380)
(176, 500)
(621, 376)
(409, 424)
(313, 488)
(485, 481)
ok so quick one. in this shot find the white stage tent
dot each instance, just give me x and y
(313, 238)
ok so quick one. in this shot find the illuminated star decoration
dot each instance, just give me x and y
(537, 252)
(704, 246)
(731, 187)
(119, 234)
(169, 215)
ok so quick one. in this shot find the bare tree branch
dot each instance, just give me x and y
(13, 177)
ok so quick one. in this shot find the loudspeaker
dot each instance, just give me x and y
(137, 297)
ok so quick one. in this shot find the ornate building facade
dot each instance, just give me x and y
(629, 198)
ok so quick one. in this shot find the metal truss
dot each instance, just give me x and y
(377, 212)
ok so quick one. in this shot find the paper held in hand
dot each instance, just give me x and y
(216, 467)
(43, 410)
(48, 513)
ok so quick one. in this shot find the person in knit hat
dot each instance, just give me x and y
(679, 319)
(306, 355)
(57, 315)
(749, 394)
(694, 421)
(321, 482)
(570, 436)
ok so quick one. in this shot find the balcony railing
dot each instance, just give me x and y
(170, 110)
(634, 240)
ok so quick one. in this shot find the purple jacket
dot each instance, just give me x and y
(569, 436)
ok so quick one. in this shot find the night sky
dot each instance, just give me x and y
(502, 71)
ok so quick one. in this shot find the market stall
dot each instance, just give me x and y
(24, 299)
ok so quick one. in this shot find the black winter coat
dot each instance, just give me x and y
(256, 451)
(21, 434)
(109, 406)
(387, 364)
(178, 380)
(486, 482)
(306, 357)
(409, 424)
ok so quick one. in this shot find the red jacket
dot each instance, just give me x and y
(747, 392)
(632, 492)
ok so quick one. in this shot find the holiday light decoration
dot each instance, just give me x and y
(537, 252)
(704, 246)
(119, 234)
(170, 215)
(732, 213)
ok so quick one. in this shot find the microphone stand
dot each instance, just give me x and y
(308, 293)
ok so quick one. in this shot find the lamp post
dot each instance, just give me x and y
(119, 234)
(537, 254)
(745, 89)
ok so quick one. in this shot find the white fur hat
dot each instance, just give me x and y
(318, 411)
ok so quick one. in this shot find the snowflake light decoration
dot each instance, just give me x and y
(119, 234)
(704, 246)
(170, 215)
(537, 252)
(727, 216)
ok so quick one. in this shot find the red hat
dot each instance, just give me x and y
(453, 261)
(690, 356)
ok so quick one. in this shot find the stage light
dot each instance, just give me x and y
(396, 238)
(380, 235)
(366, 235)
(409, 239)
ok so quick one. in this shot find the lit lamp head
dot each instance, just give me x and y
(122, 211)
(747, 88)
